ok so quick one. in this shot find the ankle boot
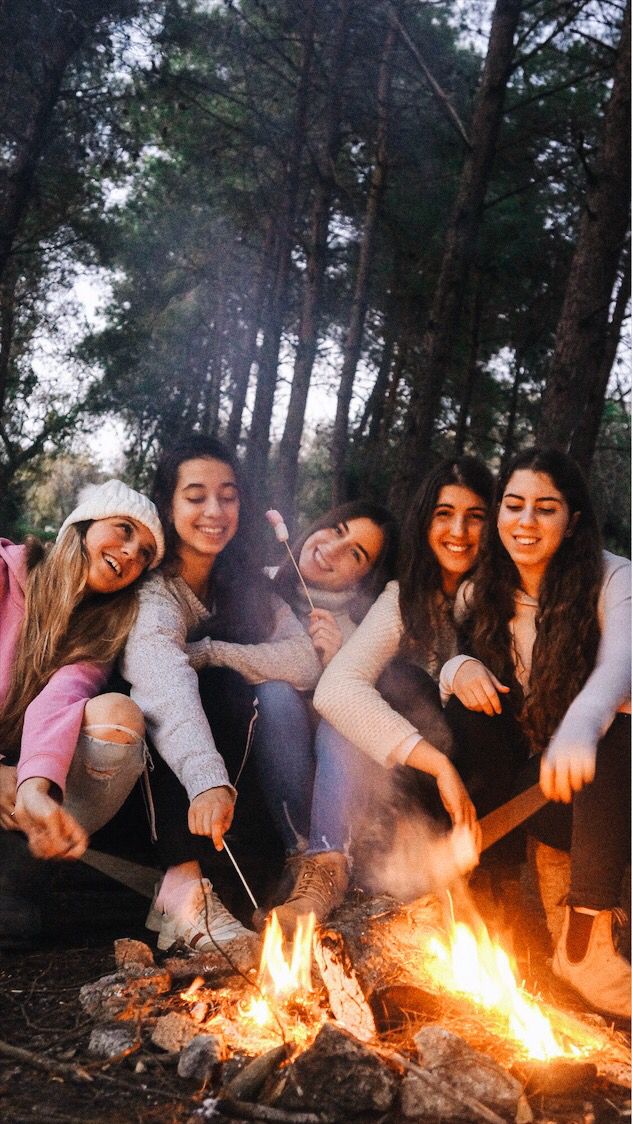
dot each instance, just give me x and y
(552, 869)
(23, 879)
(281, 892)
(320, 887)
(602, 976)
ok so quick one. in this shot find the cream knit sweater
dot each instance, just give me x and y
(347, 696)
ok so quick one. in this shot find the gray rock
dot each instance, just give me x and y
(107, 1041)
(174, 1031)
(120, 994)
(199, 1056)
(129, 953)
(455, 1068)
(338, 1077)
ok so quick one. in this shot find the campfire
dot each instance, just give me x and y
(310, 1019)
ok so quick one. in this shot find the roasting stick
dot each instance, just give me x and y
(234, 862)
(275, 519)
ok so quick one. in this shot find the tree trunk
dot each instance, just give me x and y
(353, 341)
(460, 246)
(315, 272)
(213, 389)
(241, 376)
(471, 373)
(582, 331)
(585, 437)
(259, 437)
(510, 431)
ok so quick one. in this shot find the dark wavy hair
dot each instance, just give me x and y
(420, 573)
(567, 627)
(239, 591)
(371, 585)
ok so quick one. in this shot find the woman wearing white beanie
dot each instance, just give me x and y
(68, 756)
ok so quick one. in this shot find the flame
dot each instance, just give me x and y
(190, 994)
(479, 968)
(285, 977)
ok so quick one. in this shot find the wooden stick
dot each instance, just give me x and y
(38, 1061)
(245, 1110)
(295, 564)
(234, 862)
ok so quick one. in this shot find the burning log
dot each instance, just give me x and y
(246, 1084)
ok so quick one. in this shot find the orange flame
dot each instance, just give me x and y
(480, 969)
(282, 977)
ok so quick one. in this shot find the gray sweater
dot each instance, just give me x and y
(161, 664)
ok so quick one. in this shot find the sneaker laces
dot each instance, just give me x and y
(317, 882)
(213, 917)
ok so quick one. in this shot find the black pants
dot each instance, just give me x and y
(493, 759)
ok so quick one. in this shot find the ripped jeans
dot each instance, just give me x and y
(102, 775)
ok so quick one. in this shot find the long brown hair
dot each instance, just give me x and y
(420, 573)
(60, 626)
(239, 591)
(286, 581)
(567, 627)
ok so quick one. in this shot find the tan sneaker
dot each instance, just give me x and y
(602, 976)
(320, 887)
(206, 926)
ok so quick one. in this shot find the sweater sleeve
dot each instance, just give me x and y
(607, 688)
(52, 722)
(165, 687)
(346, 694)
(288, 655)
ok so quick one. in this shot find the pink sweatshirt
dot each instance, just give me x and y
(53, 720)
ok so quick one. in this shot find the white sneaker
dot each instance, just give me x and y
(207, 926)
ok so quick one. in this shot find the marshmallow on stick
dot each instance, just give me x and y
(276, 521)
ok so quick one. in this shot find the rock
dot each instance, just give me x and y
(174, 1031)
(199, 1056)
(122, 993)
(455, 1068)
(338, 1077)
(128, 953)
(109, 1040)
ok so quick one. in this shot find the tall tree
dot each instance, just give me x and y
(287, 467)
(582, 333)
(353, 338)
(268, 359)
(461, 237)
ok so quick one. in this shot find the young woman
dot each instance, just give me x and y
(69, 759)
(548, 620)
(208, 626)
(345, 559)
(365, 709)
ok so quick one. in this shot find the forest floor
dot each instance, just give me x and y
(40, 1012)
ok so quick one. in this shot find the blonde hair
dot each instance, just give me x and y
(60, 627)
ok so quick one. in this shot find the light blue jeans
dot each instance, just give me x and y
(102, 775)
(316, 784)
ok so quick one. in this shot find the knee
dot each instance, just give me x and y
(276, 693)
(115, 718)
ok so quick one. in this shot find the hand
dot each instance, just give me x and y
(53, 833)
(211, 814)
(477, 688)
(7, 797)
(565, 769)
(325, 634)
(455, 798)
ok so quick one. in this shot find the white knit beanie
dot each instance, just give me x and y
(102, 501)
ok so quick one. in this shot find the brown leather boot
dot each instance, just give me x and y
(281, 891)
(320, 887)
(602, 976)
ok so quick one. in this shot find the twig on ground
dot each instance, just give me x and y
(244, 1110)
(38, 1061)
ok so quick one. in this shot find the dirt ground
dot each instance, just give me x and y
(39, 1011)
